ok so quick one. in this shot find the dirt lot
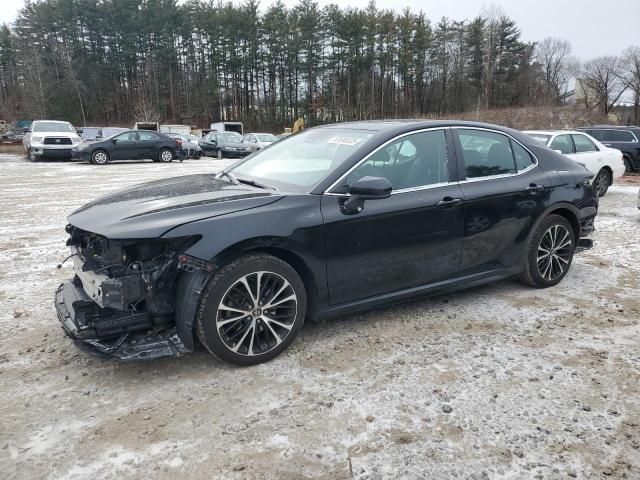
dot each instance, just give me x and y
(501, 381)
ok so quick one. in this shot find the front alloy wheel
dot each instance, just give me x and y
(251, 310)
(99, 157)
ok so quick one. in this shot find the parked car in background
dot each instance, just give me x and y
(333, 220)
(91, 134)
(50, 139)
(604, 163)
(224, 145)
(130, 145)
(111, 131)
(256, 141)
(190, 144)
(625, 139)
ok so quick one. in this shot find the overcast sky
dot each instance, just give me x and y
(594, 27)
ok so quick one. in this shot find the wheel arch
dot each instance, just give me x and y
(568, 213)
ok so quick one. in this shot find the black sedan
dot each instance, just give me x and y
(130, 145)
(224, 145)
(332, 220)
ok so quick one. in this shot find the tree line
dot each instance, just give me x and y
(117, 61)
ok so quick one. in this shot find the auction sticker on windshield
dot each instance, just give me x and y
(342, 140)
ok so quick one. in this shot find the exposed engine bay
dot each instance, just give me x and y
(122, 299)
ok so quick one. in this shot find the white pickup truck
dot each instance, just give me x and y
(50, 139)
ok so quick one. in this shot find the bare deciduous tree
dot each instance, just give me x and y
(601, 77)
(557, 66)
(631, 77)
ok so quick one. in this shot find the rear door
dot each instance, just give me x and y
(410, 239)
(504, 191)
(149, 144)
(587, 153)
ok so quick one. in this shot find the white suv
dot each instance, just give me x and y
(605, 163)
(50, 139)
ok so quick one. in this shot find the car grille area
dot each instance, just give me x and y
(56, 141)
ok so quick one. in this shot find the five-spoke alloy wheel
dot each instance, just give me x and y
(251, 309)
(166, 155)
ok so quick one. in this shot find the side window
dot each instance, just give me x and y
(623, 136)
(562, 143)
(147, 136)
(523, 158)
(583, 144)
(486, 153)
(411, 161)
(126, 137)
(600, 135)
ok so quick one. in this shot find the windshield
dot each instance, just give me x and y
(266, 137)
(110, 132)
(542, 138)
(299, 162)
(53, 127)
(229, 137)
(90, 133)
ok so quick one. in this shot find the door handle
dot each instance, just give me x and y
(534, 188)
(448, 202)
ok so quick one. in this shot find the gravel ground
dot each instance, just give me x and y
(501, 381)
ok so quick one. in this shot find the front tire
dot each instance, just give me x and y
(601, 182)
(100, 157)
(219, 154)
(32, 156)
(550, 253)
(251, 310)
(165, 155)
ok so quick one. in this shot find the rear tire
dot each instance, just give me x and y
(100, 157)
(219, 154)
(628, 166)
(251, 310)
(549, 253)
(165, 155)
(601, 182)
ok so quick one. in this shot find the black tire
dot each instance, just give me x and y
(535, 270)
(628, 166)
(602, 181)
(225, 289)
(219, 154)
(165, 155)
(100, 157)
(31, 156)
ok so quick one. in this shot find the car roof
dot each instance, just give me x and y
(612, 127)
(551, 132)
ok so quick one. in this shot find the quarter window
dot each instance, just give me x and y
(411, 161)
(622, 136)
(562, 143)
(583, 144)
(486, 153)
(523, 158)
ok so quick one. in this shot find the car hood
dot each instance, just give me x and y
(152, 209)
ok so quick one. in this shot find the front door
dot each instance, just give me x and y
(125, 146)
(410, 239)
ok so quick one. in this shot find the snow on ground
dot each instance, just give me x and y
(536, 383)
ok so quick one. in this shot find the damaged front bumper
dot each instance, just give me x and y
(112, 334)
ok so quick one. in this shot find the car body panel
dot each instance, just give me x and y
(149, 210)
(623, 138)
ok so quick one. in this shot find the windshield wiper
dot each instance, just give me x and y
(256, 184)
(232, 178)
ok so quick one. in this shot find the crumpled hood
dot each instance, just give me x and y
(151, 209)
(233, 144)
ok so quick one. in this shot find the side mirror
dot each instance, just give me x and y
(114, 141)
(366, 188)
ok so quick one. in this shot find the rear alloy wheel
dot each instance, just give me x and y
(251, 310)
(219, 154)
(165, 155)
(550, 252)
(99, 157)
(601, 182)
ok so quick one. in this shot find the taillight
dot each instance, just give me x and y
(178, 143)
